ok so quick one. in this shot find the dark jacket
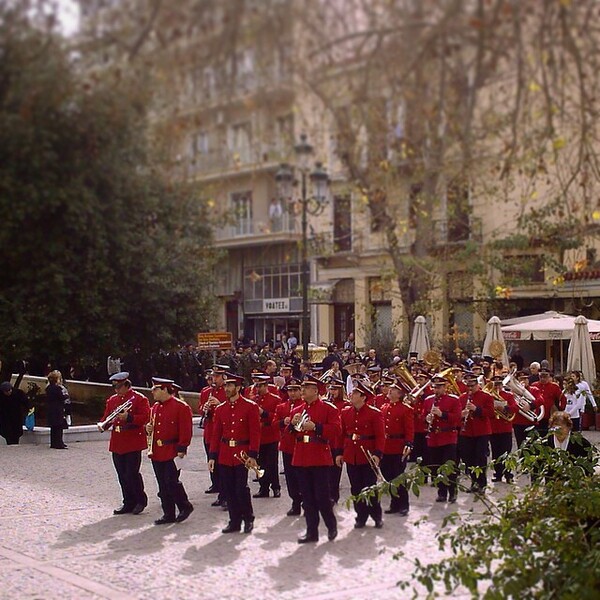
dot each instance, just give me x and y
(58, 405)
(13, 408)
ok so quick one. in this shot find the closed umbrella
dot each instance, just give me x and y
(420, 338)
(494, 345)
(580, 356)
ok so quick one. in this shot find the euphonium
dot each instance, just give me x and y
(243, 458)
(523, 397)
(490, 388)
(401, 371)
(102, 425)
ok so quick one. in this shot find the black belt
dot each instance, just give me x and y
(126, 427)
(166, 442)
(305, 439)
(395, 436)
(356, 436)
(233, 443)
(444, 429)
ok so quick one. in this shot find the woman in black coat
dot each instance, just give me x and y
(58, 408)
(13, 407)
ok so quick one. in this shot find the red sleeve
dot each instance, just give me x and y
(487, 408)
(184, 426)
(409, 425)
(140, 411)
(332, 428)
(217, 433)
(253, 429)
(453, 412)
(379, 428)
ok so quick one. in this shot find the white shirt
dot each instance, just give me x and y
(562, 445)
(584, 387)
(575, 404)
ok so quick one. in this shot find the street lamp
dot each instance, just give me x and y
(314, 205)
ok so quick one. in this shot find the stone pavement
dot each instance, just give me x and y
(59, 539)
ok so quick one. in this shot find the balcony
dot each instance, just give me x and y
(228, 163)
(455, 231)
(360, 242)
(252, 232)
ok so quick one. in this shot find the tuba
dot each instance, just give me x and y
(449, 375)
(401, 372)
(523, 397)
(433, 358)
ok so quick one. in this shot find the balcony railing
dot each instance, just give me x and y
(358, 242)
(250, 228)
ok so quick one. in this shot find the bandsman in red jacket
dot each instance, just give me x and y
(554, 398)
(505, 409)
(420, 448)
(127, 440)
(336, 395)
(362, 433)
(474, 436)
(443, 417)
(235, 442)
(316, 424)
(269, 438)
(523, 423)
(210, 397)
(399, 434)
(288, 441)
(169, 435)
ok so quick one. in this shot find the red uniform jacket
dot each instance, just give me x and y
(500, 425)
(205, 393)
(362, 428)
(419, 415)
(552, 396)
(128, 435)
(269, 428)
(444, 429)
(172, 428)
(287, 440)
(539, 401)
(379, 400)
(236, 428)
(313, 448)
(399, 427)
(478, 422)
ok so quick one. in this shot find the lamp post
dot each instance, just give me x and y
(314, 204)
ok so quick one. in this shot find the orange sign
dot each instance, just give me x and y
(215, 340)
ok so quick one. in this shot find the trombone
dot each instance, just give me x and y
(103, 425)
(244, 458)
(374, 465)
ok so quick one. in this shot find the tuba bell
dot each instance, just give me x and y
(401, 372)
(449, 376)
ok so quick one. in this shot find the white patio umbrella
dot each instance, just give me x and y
(580, 356)
(494, 345)
(419, 342)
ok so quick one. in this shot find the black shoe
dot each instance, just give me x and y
(261, 494)
(359, 524)
(224, 506)
(248, 526)
(307, 539)
(403, 512)
(231, 528)
(122, 510)
(378, 523)
(164, 520)
(497, 479)
(452, 499)
(216, 503)
(441, 499)
(293, 512)
(59, 447)
(331, 534)
(184, 513)
(211, 490)
(509, 480)
(277, 493)
(138, 508)
(392, 511)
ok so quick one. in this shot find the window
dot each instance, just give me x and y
(200, 144)
(240, 141)
(241, 205)
(279, 281)
(284, 133)
(342, 224)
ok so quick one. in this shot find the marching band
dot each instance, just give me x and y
(388, 417)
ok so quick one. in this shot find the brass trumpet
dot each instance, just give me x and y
(103, 425)
(244, 458)
(374, 465)
(150, 436)
(303, 419)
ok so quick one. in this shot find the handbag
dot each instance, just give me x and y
(30, 419)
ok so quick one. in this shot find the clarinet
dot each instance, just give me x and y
(430, 417)
(468, 416)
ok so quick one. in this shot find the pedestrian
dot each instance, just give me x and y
(58, 409)
(234, 443)
(13, 408)
(169, 435)
(363, 432)
(506, 409)
(126, 415)
(316, 424)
